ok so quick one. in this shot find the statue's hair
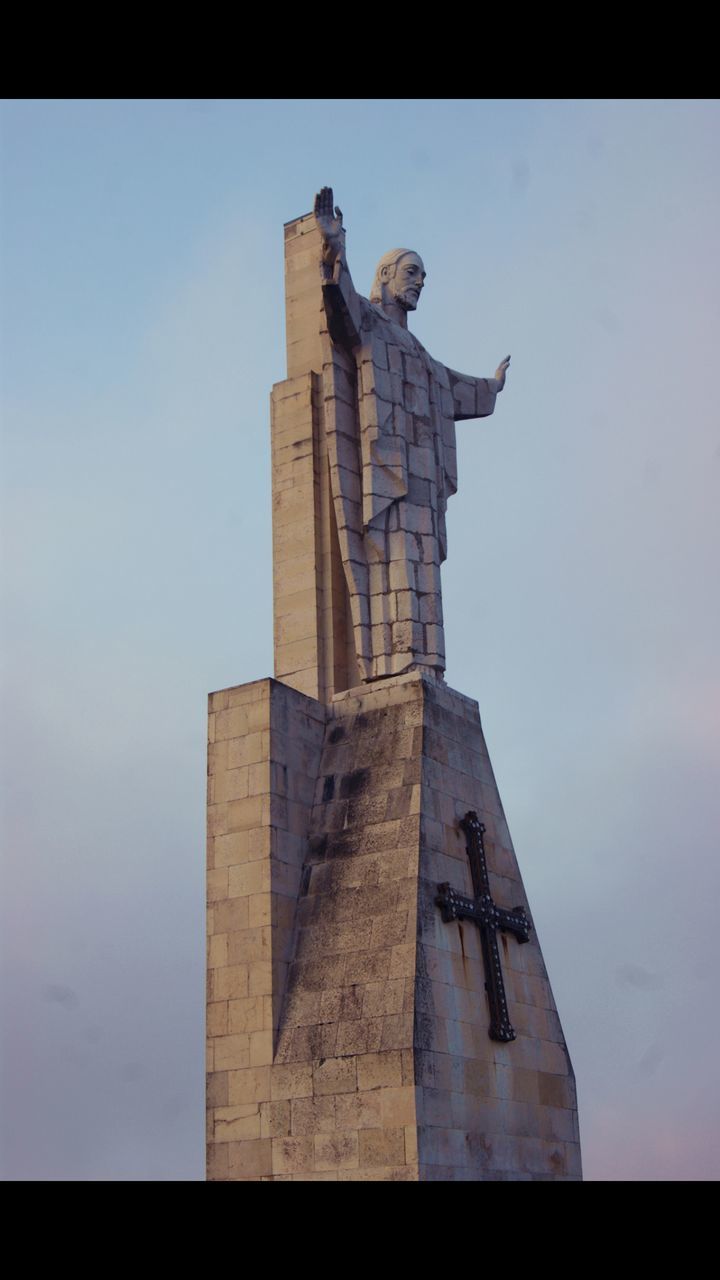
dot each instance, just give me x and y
(390, 259)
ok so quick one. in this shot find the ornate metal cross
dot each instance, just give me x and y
(488, 918)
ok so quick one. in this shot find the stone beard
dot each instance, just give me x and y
(390, 413)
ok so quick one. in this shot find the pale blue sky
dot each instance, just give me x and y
(142, 329)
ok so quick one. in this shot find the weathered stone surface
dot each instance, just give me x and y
(349, 1033)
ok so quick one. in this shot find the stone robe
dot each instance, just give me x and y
(390, 411)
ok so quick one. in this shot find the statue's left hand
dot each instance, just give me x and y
(501, 371)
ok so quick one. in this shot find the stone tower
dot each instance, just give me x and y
(378, 1005)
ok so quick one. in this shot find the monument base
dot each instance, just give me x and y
(348, 1022)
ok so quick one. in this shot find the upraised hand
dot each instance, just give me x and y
(501, 372)
(331, 227)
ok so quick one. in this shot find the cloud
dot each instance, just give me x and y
(633, 975)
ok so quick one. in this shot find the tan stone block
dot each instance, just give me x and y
(247, 1015)
(480, 1078)
(295, 627)
(260, 911)
(383, 997)
(524, 1084)
(553, 1090)
(381, 1173)
(232, 1052)
(359, 1110)
(303, 1007)
(258, 714)
(292, 1080)
(245, 751)
(231, 784)
(237, 1124)
(217, 950)
(247, 945)
(232, 849)
(326, 1005)
(217, 1018)
(249, 878)
(367, 966)
(241, 694)
(402, 960)
(217, 757)
(293, 504)
(381, 1146)
(298, 656)
(259, 778)
(302, 600)
(217, 1089)
(287, 538)
(218, 1167)
(292, 1155)
(259, 840)
(244, 814)
(358, 1036)
(336, 1150)
(335, 1075)
(559, 1124)
(260, 978)
(261, 1047)
(275, 1119)
(312, 1115)
(250, 1159)
(231, 724)
(326, 1175)
(398, 1107)
(231, 915)
(397, 1032)
(411, 1144)
(249, 1085)
(217, 885)
(380, 1070)
(230, 983)
(550, 1057)
(305, 681)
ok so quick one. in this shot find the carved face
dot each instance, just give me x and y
(408, 281)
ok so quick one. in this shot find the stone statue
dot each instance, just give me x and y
(390, 413)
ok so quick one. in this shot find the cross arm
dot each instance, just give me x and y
(456, 906)
(514, 921)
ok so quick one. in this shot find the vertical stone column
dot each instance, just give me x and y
(313, 638)
(263, 757)
(298, 587)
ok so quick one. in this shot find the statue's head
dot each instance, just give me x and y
(399, 277)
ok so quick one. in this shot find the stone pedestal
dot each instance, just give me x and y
(347, 1023)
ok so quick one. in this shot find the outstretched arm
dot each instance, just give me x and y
(342, 304)
(475, 397)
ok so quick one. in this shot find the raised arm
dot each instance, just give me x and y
(475, 397)
(342, 304)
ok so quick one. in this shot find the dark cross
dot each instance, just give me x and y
(488, 918)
